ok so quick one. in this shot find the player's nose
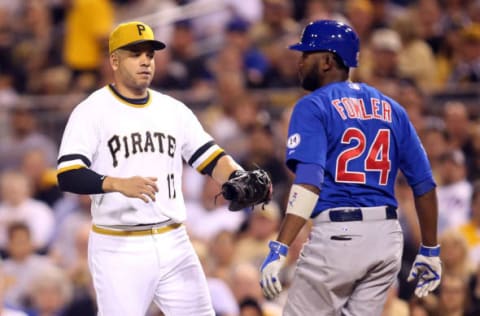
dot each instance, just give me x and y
(145, 59)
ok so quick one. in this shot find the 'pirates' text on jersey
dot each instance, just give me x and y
(137, 142)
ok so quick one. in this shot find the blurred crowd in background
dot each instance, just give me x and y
(228, 61)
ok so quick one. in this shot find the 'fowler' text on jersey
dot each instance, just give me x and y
(140, 143)
(354, 108)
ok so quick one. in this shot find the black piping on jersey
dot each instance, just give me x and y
(81, 181)
(200, 152)
(85, 160)
(208, 169)
(137, 102)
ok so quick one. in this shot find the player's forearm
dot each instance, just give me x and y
(111, 184)
(81, 181)
(427, 211)
(87, 181)
(291, 226)
(301, 202)
(224, 168)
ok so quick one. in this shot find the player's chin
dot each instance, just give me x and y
(308, 86)
(144, 82)
(310, 83)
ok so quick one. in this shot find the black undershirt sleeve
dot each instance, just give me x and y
(81, 181)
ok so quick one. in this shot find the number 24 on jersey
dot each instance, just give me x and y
(377, 158)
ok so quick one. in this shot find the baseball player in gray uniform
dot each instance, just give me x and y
(347, 141)
(125, 145)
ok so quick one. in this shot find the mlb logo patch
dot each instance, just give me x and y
(293, 141)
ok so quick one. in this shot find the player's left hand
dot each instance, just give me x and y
(271, 267)
(427, 267)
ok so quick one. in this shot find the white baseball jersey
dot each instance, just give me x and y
(114, 137)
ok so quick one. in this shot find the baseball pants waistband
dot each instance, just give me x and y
(350, 214)
(153, 230)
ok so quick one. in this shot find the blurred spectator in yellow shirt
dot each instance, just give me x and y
(87, 26)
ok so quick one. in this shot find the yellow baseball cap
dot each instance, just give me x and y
(131, 33)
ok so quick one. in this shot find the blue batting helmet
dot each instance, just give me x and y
(331, 36)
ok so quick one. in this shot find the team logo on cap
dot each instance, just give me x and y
(141, 29)
(293, 141)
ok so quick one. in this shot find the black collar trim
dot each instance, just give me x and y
(141, 101)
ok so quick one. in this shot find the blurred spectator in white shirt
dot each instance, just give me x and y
(6, 310)
(454, 191)
(17, 205)
(22, 265)
(209, 216)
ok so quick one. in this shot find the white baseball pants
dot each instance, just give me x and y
(129, 272)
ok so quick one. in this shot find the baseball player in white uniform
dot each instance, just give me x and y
(125, 145)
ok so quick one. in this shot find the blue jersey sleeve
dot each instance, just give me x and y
(414, 161)
(309, 173)
(307, 140)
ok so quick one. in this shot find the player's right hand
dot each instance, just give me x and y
(271, 267)
(427, 267)
(143, 188)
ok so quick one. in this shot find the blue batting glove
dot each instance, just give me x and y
(427, 267)
(271, 267)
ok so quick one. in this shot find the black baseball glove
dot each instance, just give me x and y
(247, 188)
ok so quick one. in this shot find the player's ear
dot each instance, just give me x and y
(327, 62)
(114, 60)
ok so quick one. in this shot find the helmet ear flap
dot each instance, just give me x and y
(339, 61)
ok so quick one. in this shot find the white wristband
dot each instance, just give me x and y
(301, 201)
